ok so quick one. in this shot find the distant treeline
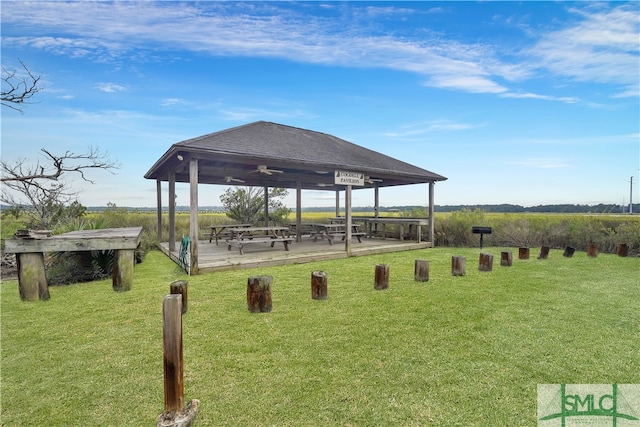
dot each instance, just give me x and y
(567, 208)
(505, 207)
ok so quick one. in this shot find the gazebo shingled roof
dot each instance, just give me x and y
(299, 153)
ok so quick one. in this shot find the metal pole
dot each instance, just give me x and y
(631, 195)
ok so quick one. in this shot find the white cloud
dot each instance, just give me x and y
(600, 46)
(110, 87)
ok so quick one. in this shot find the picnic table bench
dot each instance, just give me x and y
(332, 231)
(241, 237)
(217, 230)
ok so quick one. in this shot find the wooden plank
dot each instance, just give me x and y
(82, 240)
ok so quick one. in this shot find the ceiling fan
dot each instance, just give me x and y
(264, 169)
(370, 180)
(230, 179)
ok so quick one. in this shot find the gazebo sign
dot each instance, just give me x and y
(349, 178)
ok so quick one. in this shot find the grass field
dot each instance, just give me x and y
(454, 351)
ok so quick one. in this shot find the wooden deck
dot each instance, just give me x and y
(212, 257)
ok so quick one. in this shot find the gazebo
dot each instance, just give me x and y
(272, 155)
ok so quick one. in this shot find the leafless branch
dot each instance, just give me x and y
(16, 90)
(56, 166)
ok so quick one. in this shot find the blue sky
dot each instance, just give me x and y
(514, 102)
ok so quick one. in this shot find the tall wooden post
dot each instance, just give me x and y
(193, 215)
(421, 270)
(266, 206)
(159, 209)
(347, 223)
(298, 211)
(432, 185)
(172, 344)
(172, 211)
(381, 277)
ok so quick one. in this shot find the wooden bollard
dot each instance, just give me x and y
(458, 265)
(259, 294)
(592, 250)
(179, 287)
(318, 285)
(421, 270)
(175, 414)
(172, 345)
(485, 263)
(623, 249)
(569, 251)
(544, 252)
(523, 253)
(381, 277)
(506, 259)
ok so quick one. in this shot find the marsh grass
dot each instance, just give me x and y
(465, 351)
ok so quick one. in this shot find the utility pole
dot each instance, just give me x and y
(631, 195)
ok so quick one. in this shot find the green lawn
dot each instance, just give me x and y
(465, 351)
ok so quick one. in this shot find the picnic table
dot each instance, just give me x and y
(243, 236)
(216, 230)
(333, 230)
(372, 225)
(30, 254)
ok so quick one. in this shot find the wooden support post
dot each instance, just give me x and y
(259, 294)
(421, 270)
(544, 252)
(506, 258)
(381, 277)
(32, 279)
(318, 285)
(592, 250)
(569, 251)
(122, 271)
(523, 253)
(458, 265)
(623, 249)
(172, 345)
(180, 287)
(485, 262)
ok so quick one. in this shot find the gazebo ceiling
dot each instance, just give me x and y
(275, 155)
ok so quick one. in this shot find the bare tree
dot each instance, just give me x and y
(42, 183)
(18, 89)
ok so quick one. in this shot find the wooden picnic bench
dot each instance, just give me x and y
(217, 230)
(240, 243)
(241, 237)
(332, 231)
(30, 252)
